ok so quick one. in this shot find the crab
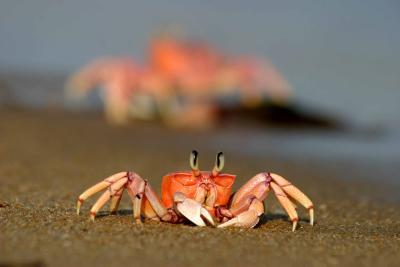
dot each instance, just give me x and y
(202, 197)
(182, 83)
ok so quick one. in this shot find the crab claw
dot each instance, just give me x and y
(247, 219)
(192, 210)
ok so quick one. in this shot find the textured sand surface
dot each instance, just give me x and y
(48, 158)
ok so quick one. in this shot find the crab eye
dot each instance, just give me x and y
(219, 162)
(194, 163)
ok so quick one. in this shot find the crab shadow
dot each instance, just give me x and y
(267, 217)
(127, 212)
(122, 212)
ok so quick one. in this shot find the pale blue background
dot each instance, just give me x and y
(341, 56)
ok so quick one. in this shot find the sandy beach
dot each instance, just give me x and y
(48, 157)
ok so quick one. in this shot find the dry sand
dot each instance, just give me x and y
(47, 158)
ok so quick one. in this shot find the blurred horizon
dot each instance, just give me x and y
(340, 58)
(336, 56)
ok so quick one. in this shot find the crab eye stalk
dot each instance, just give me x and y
(219, 164)
(194, 162)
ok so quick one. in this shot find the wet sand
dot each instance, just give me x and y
(47, 158)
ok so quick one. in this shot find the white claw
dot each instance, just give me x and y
(247, 219)
(207, 216)
(191, 210)
(231, 222)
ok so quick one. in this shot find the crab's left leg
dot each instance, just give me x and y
(247, 205)
(294, 193)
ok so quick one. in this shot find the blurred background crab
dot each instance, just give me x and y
(182, 83)
(199, 196)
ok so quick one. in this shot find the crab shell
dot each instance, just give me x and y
(206, 188)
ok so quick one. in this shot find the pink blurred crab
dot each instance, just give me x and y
(193, 71)
(202, 197)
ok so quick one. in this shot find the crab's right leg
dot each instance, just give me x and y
(144, 199)
(139, 189)
(98, 187)
(108, 194)
(135, 189)
(115, 200)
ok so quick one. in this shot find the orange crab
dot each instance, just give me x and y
(202, 197)
(182, 83)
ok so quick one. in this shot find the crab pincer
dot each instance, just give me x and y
(192, 210)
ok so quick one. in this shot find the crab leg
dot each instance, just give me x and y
(115, 200)
(98, 187)
(286, 204)
(148, 211)
(156, 203)
(257, 186)
(253, 193)
(135, 188)
(115, 187)
(144, 199)
(242, 206)
(139, 188)
(294, 193)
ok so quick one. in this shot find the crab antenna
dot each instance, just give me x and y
(219, 164)
(194, 163)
